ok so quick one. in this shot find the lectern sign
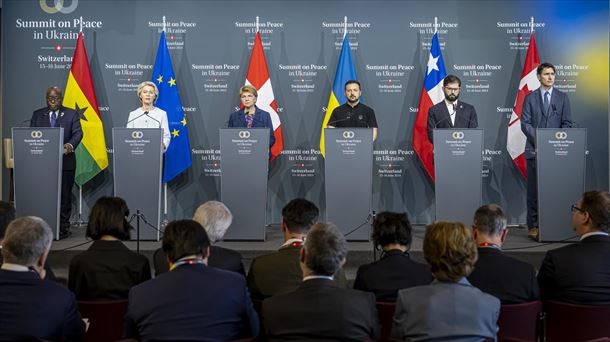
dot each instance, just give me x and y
(562, 143)
(244, 143)
(349, 142)
(458, 143)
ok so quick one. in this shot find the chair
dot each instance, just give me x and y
(385, 313)
(574, 322)
(520, 321)
(258, 306)
(105, 319)
(9, 163)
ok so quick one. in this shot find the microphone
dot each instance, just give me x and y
(158, 122)
(254, 120)
(137, 117)
(332, 123)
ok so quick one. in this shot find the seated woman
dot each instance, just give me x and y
(395, 270)
(449, 309)
(108, 269)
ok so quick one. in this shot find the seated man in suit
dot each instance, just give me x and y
(192, 301)
(280, 271)
(506, 278)
(451, 113)
(580, 273)
(319, 309)
(30, 306)
(216, 218)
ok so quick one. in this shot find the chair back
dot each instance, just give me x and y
(105, 319)
(520, 321)
(385, 313)
(574, 322)
(7, 148)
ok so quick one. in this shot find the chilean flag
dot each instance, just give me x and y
(432, 93)
(258, 77)
(515, 140)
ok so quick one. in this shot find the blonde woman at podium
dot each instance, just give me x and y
(149, 116)
(250, 116)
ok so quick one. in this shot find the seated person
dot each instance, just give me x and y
(193, 301)
(108, 269)
(32, 308)
(216, 218)
(449, 309)
(318, 309)
(394, 270)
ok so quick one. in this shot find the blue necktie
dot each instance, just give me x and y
(546, 102)
(53, 118)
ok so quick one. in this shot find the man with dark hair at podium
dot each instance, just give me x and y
(580, 273)
(545, 107)
(56, 115)
(353, 113)
(508, 279)
(451, 113)
(250, 116)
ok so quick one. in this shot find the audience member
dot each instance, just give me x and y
(449, 309)
(319, 309)
(192, 301)
(394, 270)
(216, 218)
(280, 271)
(580, 273)
(108, 269)
(30, 306)
(508, 279)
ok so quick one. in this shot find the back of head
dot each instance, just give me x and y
(450, 250)
(184, 237)
(109, 217)
(7, 214)
(26, 239)
(490, 220)
(299, 215)
(391, 228)
(597, 204)
(215, 217)
(325, 249)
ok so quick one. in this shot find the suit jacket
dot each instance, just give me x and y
(319, 310)
(50, 275)
(533, 116)
(394, 271)
(261, 119)
(192, 302)
(438, 117)
(106, 271)
(508, 279)
(220, 257)
(578, 273)
(68, 119)
(280, 272)
(32, 307)
(445, 311)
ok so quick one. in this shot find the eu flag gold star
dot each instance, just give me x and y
(172, 82)
(175, 133)
(160, 79)
(183, 121)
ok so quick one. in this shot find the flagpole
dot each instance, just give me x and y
(165, 220)
(163, 23)
(435, 24)
(344, 26)
(81, 24)
(257, 24)
(532, 25)
(80, 222)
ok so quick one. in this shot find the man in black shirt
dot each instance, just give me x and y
(353, 113)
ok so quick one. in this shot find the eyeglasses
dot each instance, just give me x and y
(453, 90)
(575, 208)
(53, 98)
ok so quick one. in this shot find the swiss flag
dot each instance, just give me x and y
(258, 77)
(515, 141)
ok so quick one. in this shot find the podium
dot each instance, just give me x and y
(458, 163)
(137, 162)
(38, 157)
(348, 175)
(560, 173)
(244, 161)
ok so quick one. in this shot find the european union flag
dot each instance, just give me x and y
(178, 154)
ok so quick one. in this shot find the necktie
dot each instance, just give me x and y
(53, 118)
(249, 121)
(546, 102)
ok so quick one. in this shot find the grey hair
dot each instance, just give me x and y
(215, 217)
(325, 249)
(147, 84)
(26, 239)
(490, 219)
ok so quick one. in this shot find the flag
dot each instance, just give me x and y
(345, 72)
(178, 153)
(258, 77)
(431, 94)
(91, 155)
(515, 139)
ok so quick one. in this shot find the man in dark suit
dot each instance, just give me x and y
(580, 273)
(319, 310)
(30, 306)
(216, 218)
(508, 279)
(280, 271)
(193, 301)
(546, 107)
(451, 113)
(56, 115)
